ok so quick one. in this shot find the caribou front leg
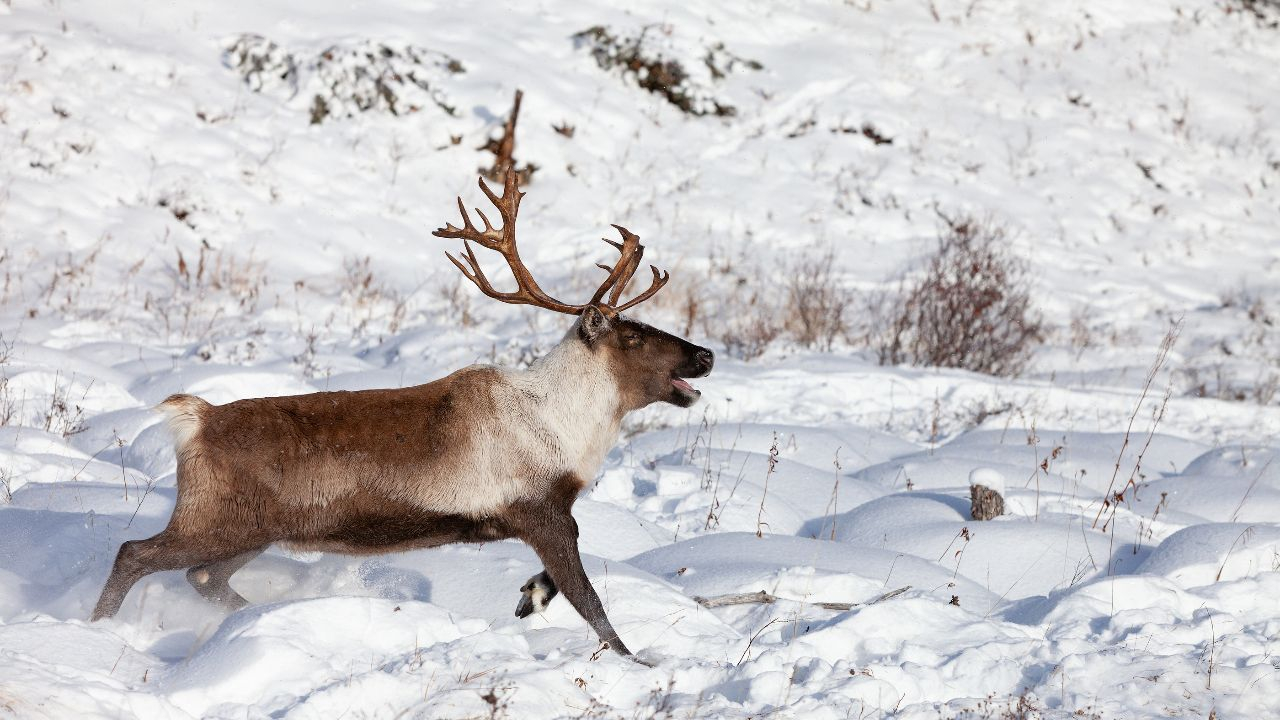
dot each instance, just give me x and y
(549, 528)
(536, 594)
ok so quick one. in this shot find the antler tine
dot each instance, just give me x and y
(489, 237)
(629, 251)
(659, 279)
(502, 240)
(509, 194)
(475, 275)
(488, 226)
(633, 264)
(620, 287)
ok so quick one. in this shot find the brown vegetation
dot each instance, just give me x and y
(970, 309)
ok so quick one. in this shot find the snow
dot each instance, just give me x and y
(168, 226)
(989, 478)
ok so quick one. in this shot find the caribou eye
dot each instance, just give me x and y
(631, 340)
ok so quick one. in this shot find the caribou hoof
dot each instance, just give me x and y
(536, 594)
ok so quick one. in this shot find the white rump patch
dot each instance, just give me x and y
(182, 414)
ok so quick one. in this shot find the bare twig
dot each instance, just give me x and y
(151, 485)
(877, 599)
(1213, 644)
(765, 598)
(753, 639)
(761, 597)
(1236, 513)
(833, 505)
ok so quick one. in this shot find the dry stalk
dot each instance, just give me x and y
(833, 504)
(1245, 535)
(773, 465)
(959, 554)
(713, 512)
(1112, 498)
(1213, 645)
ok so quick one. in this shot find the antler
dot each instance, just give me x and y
(503, 240)
(630, 252)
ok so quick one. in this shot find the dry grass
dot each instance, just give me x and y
(1024, 706)
(1248, 364)
(215, 285)
(1265, 12)
(372, 307)
(458, 298)
(64, 415)
(737, 302)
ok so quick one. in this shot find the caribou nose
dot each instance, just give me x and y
(706, 359)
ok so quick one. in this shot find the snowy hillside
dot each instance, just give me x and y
(235, 200)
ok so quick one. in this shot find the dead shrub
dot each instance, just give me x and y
(970, 309)
(734, 303)
(817, 303)
(458, 302)
(738, 303)
(641, 58)
(750, 329)
(369, 306)
(1221, 383)
(1266, 13)
(504, 148)
(347, 79)
(1081, 332)
(1246, 358)
(64, 416)
(8, 406)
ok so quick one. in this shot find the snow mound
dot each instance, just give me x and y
(271, 655)
(1214, 552)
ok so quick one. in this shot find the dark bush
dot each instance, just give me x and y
(971, 309)
(817, 302)
(637, 58)
(345, 80)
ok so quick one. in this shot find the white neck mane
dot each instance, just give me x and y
(574, 398)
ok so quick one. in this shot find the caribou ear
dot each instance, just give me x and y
(592, 324)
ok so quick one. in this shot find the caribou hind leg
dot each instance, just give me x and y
(166, 551)
(212, 579)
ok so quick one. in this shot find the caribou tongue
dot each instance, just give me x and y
(681, 384)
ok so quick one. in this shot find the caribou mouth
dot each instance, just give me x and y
(684, 387)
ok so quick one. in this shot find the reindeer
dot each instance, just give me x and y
(484, 454)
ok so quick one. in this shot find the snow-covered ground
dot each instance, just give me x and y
(171, 219)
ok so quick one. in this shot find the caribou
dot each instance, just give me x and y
(484, 454)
